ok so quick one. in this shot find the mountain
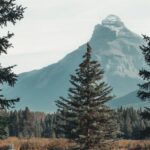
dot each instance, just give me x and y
(129, 100)
(114, 46)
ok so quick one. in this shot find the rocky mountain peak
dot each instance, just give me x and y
(112, 20)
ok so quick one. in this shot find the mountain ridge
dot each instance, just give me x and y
(117, 51)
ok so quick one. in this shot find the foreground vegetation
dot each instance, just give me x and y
(26, 123)
(34, 144)
(62, 144)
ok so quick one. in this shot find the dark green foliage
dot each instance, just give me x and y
(49, 126)
(131, 123)
(10, 12)
(4, 120)
(144, 91)
(39, 124)
(25, 123)
(7, 76)
(13, 123)
(146, 114)
(28, 124)
(84, 117)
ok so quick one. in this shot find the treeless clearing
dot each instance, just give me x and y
(37, 143)
(62, 144)
(134, 144)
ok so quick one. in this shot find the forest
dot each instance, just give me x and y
(28, 124)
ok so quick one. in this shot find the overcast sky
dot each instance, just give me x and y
(52, 28)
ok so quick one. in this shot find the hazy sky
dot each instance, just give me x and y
(53, 28)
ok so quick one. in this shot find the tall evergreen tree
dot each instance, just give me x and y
(10, 12)
(144, 91)
(3, 124)
(49, 126)
(84, 116)
(28, 123)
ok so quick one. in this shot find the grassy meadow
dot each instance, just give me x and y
(62, 144)
(34, 144)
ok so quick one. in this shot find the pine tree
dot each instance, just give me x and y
(9, 13)
(3, 124)
(50, 126)
(28, 123)
(84, 117)
(144, 91)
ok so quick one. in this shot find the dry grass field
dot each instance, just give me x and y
(34, 144)
(62, 144)
(134, 145)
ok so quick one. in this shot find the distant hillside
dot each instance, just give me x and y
(129, 100)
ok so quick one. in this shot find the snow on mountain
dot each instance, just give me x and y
(114, 23)
(112, 20)
(114, 46)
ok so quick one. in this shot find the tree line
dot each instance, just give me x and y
(26, 123)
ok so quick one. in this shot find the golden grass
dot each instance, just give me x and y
(134, 144)
(37, 143)
(48, 144)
